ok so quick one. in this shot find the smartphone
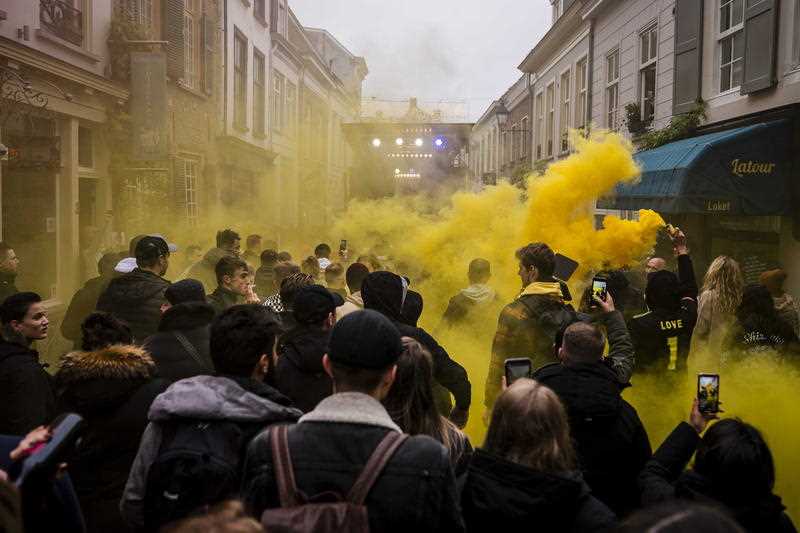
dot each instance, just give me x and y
(343, 246)
(43, 460)
(518, 367)
(599, 289)
(708, 393)
(565, 267)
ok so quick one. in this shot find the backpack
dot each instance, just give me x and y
(549, 319)
(198, 464)
(328, 512)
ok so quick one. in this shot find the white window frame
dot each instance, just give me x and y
(648, 61)
(565, 108)
(190, 173)
(291, 106)
(278, 102)
(524, 126)
(540, 125)
(581, 91)
(730, 35)
(240, 53)
(259, 92)
(550, 120)
(191, 51)
(612, 91)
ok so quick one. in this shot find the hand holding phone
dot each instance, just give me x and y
(43, 459)
(708, 393)
(599, 291)
(517, 367)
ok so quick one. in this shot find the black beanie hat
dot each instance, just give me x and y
(663, 291)
(365, 339)
(385, 292)
(185, 290)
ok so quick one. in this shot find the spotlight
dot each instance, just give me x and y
(397, 171)
(376, 142)
(399, 141)
(418, 142)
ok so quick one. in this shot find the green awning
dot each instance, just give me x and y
(742, 171)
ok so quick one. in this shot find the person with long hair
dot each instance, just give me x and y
(412, 405)
(759, 328)
(719, 298)
(526, 475)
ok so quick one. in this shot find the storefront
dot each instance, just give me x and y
(731, 190)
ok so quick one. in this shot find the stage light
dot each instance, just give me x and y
(399, 141)
(418, 142)
(397, 171)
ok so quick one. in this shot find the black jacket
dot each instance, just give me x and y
(665, 478)
(299, 373)
(499, 495)
(416, 491)
(7, 285)
(173, 360)
(221, 299)
(610, 439)
(27, 400)
(112, 389)
(82, 305)
(136, 298)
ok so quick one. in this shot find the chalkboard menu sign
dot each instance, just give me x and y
(755, 255)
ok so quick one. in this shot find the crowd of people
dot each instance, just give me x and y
(257, 393)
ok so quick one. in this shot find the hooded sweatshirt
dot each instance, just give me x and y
(467, 302)
(251, 404)
(299, 373)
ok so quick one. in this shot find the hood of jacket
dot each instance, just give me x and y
(222, 398)
(102, 379)
(305, 346)
(136, 286)
(12, 349)
(126, 265)
(479, 293)
(495, 486)
(385, 292)
(186, 317)
(589, 391)
(543, 288)
(755, 514)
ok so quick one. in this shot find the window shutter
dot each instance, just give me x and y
(760, 18)
(688, 55)
(175, 35)
(208, 54)
(179, 187)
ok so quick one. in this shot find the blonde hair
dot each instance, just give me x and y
(226, 517)
(725, 277)
(530, 426)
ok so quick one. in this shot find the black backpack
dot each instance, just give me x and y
(549, 319)
(198, 464)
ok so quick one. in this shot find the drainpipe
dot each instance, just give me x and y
(590, 76)
(225, 70)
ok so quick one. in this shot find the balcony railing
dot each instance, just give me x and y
(62, 20)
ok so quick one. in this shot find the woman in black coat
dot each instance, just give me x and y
(525, 478)
(733, 469)
(111, 384)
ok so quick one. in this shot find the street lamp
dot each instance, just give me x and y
(502, 113)
(376, 142)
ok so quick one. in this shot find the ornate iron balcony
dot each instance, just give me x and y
(62, 20)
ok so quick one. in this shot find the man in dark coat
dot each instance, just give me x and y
(299, 373)
(85, 300)
(478, 296)
(228, 245)
(233, 284)
(331, 444)
(386, 293)
(9, 266)
(27, 400)
(136, 298)
(265, 275)
(180, 349)
(610, 439)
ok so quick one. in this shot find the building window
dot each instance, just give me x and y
(523, 125)
(581, 87)
(191, 51)
(291, 106)
(612, 89)
(259, 93)
(539, 125)
(190, 174)
(239, 80)
(648, 56)
(564, 121)
(550, 100)
(731, 44)
(558, 9)
(282, 18)
(277, 101)
(259, 10)
(85, 148)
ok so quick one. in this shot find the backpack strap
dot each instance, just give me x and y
(282, 461)
(375, 466)
(189, 347)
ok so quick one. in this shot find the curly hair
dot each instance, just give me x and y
(103, 329)
(725, 278)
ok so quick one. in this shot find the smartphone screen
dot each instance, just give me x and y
(708, 393)
(516, 368)
(599, 289)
